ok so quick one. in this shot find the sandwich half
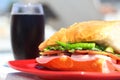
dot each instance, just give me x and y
(92, 46)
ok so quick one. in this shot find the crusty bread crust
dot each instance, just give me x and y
(101, 32)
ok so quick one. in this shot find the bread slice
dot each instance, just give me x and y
(102, 32)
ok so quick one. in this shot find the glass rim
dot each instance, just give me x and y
(15, 7)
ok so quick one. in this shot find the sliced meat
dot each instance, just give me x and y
(113, 56)
(87, 63)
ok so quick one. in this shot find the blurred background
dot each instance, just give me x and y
(59, 13)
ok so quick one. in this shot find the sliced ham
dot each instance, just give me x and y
(91, 63)
(98, 52)
(89, 57)
(84, 52)
(81, 60)
(45, 59)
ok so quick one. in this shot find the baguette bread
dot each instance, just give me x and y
(102, 32)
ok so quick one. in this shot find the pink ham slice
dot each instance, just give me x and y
(74, 63)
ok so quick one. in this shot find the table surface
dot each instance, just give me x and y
(21, 76)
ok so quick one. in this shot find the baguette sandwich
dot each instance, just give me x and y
(92, 46)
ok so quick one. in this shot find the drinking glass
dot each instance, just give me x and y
(27, 30)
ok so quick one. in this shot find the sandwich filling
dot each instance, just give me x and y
(81, 47)
(81, 52)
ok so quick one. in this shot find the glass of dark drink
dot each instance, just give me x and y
(27, 30)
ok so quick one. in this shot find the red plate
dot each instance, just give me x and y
(29, 66)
